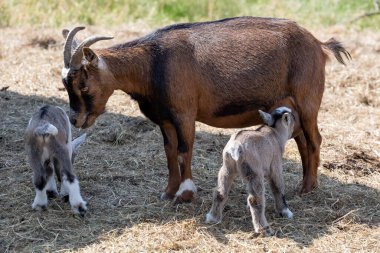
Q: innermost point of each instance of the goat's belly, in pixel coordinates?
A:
(245, 119)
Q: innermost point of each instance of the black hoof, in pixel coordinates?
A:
(65, 198)
(52, 194)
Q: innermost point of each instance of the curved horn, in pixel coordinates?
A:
(68, 43)
(76, 59)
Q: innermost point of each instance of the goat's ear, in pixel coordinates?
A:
(77, 142)
(90, 56)
(286, 119)
(267, 118)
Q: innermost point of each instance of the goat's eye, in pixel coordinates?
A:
(84, 89)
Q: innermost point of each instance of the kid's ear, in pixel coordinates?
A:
(286, 119)
(267, 118)
(90, 56)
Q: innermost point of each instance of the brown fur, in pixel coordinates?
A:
(219, 73)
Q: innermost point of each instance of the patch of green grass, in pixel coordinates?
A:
(58, 13)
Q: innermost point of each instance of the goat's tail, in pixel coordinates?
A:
(334, 46)
(235, 151)
(46, 129)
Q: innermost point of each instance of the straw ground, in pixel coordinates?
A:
(122, 166)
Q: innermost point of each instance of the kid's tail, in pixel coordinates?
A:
(46, 129)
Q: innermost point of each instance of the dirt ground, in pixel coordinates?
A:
(122, 165)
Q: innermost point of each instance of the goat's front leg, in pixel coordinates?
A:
(39, 180)
(185, 133)
(278, 188)
(256, 200)
(169, 134)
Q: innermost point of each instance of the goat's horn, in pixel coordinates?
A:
(76, 59)
(68, 43)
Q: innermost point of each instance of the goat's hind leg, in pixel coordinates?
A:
(225, 178)
(51, 185)
(256, 203)
(39, 179)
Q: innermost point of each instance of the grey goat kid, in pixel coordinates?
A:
(50, 151)
(255, 154)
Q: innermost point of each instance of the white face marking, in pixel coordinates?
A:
(64, 72)
(187, 185)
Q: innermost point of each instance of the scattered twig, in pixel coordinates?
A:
(4, 88)
(368, 14)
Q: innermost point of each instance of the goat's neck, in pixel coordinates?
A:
(129, 68)
(282, 137)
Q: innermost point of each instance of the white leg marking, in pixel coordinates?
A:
(211, 219)
(64, 190)
(51, 185)
(287, 213)
(187, 185)
(78, 205)
(41, 200)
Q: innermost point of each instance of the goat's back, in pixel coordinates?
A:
(53, 115)
(256, 147)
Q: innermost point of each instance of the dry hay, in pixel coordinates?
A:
(122, 166)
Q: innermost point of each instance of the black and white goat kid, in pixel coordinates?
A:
(50, 151)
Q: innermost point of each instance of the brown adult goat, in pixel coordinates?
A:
(219, 73)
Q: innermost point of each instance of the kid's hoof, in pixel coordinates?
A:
(211, 219)
(286, 213)
(65, 198)
(267, 231)
(51, 194)
(80, 208)
(39, 207)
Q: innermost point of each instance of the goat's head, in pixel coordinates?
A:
(281, 116)
(83, 76)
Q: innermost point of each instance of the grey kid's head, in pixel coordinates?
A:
(281, 117)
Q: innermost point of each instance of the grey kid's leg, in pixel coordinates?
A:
(225, 178)
(278, 188)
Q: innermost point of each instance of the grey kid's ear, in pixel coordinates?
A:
(286, 119)
(267, 118)
(77, 142)
(90, 56)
